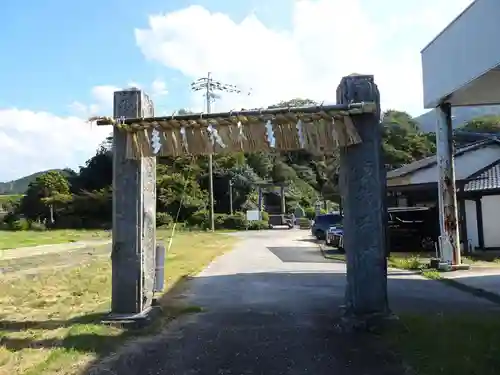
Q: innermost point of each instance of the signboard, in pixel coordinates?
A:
(253, 215)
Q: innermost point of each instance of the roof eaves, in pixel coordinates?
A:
(431, 160)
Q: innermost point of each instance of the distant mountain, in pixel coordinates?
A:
(20, 185)
(428, 120)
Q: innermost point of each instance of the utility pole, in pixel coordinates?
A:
(231, 196)
(211, 86)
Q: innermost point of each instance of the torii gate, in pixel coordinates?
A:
(353, 124)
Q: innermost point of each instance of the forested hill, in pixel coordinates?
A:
(20, 185)
(461, 115)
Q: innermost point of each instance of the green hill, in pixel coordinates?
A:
(20, 185)
(427, 121)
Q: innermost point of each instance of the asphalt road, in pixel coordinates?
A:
(270, 307)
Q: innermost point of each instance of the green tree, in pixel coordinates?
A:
(282, 172)
(42, 194)
(403, 142)
(95, 175)
(483, 124)
(296, 102)
(261, 163)
(179, 193)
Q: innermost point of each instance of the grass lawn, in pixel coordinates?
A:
(415, 261)
(14, 239)
(449, 344)
(49, 322)
(11, 197)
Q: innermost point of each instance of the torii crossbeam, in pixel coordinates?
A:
(314, 128)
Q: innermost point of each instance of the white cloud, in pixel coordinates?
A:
(134, 84)
(102, 102)
(34, 141)
(102, 98)
(328, 39)
(159, 88)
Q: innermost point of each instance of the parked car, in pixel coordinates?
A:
(412, 228)
(409, 229)
(323, 222)
(335, 237)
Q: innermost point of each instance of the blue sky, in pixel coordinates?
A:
(59, 49)
(61, 60)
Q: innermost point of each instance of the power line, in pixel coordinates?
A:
(211, 88)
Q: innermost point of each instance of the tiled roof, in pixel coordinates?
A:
(431, 160)
(488, 179)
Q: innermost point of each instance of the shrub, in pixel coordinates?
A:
(304, 223)
(258, 225)
(163, 219)
(264, 216)
(407, 263)
(237, 221)
(9, 218)
(310, 213)
(219, 221)
(19, 224)
(199, 219)
(68, 221)
(38, 226)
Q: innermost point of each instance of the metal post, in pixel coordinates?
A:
(210, 160)
(159, 268)
(448, 213)
(260, 201)
(210, 87)
(231, 196)
(283, 203)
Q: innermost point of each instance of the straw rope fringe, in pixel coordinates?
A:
(319, 134)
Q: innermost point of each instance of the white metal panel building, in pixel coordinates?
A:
(461, 67)
(462, 64)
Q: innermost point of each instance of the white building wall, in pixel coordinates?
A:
(465, 165)
(462, 52)
(491, 223)
(471, 222)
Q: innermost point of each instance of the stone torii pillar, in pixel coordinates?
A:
(134, 217)
(363, 188)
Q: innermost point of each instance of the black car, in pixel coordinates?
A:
(323, 222)
(412, 228)
(408, 229)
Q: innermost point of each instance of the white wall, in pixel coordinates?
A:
(491, 225)
(471, 222)
(465, 165)
(462, 52)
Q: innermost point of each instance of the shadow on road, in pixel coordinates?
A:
(272, 323)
